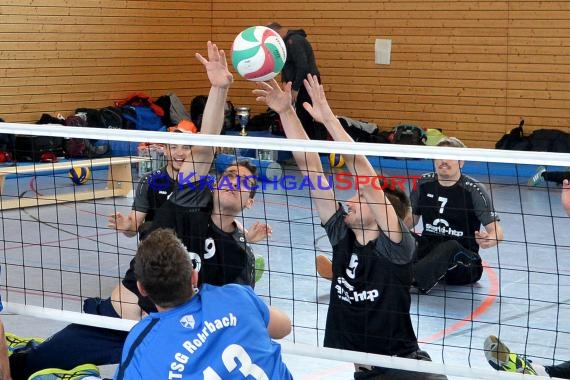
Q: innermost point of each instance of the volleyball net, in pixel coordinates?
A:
(57, 248)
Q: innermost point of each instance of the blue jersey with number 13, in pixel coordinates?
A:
(221, 333)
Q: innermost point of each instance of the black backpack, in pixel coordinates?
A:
(514, 140)
(409, 134)
(77, 147)
(6, 141)
(112, 117)
(197, 106)
(550, 140)
(31, 148)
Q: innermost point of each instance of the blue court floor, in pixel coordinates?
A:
(54, 255)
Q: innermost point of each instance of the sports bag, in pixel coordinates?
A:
(409, 134)
(142, 118)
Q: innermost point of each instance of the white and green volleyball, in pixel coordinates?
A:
(258, 53)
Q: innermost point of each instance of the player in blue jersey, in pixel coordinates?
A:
(369, 308)
(218, 332)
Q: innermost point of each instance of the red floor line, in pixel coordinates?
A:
(481, 309)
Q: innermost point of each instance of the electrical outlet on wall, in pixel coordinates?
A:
(382, 51)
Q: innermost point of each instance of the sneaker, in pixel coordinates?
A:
(84, 371)
(502, 359)
(259, 267)
(324, 267)
(17, 343)
(537, 179)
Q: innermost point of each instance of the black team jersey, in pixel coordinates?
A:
(453, 212)
(369, 308)
(152, 192)
(223, 258)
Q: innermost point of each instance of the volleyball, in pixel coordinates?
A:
(258, 53)
(79, 176)
(336, 160)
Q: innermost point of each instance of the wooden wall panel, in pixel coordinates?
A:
(473, 68)
(56, 55)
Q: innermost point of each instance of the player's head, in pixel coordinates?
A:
(236, 187)
(278, 28)
(176, 154)
(360, 215)
(446, 169)
(164, 269)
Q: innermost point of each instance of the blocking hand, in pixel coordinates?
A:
(216, 66)
(271, 94)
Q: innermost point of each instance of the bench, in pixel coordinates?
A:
(119, 181)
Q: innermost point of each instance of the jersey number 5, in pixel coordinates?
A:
(233, 355)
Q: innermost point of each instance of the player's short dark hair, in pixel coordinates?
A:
(399, 200)
(397, 197)
(163, 266)
(275, 26)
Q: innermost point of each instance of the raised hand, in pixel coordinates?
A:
(320, 109)
(279, 100)
(258, 231)
(216, 66)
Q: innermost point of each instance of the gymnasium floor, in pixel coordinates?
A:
(529, 309)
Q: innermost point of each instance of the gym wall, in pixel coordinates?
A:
(472, 68)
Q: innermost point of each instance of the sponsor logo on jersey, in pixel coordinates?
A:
(441, 227)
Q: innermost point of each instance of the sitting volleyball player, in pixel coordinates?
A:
(452, 207)
(78, 344)
(401, 204)
(219, 332)
(224, 253)
(370, 299)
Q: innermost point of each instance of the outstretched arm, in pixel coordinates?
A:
(358, 165)
(310, 163)
(201, 157)
(566, 196)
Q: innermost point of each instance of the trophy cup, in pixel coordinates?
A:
(242, 114)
